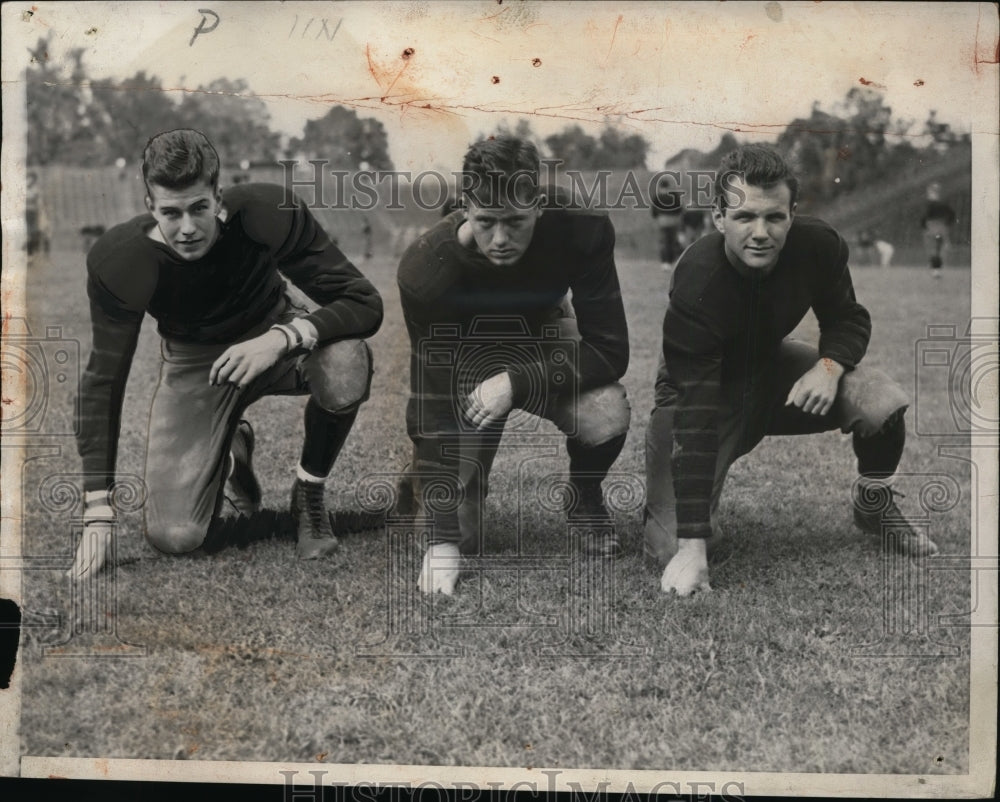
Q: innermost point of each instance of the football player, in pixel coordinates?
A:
(211, 267)
(729, 375)
(503, 265)
(938, 220)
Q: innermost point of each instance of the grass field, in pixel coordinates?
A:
(801, 658)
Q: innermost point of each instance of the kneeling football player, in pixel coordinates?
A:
(205, 264)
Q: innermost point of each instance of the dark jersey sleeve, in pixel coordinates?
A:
(432, 413)
(350, 306)
(845, 325)
(693, 350)
(603, 352)
(119, 285)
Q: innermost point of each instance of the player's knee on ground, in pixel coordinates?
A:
(176, 537)
(340, 375)
(870, 398)
(602, 414)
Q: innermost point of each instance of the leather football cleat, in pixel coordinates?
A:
(876, 513)
(242, 488)
(585, 511)
(315, 534)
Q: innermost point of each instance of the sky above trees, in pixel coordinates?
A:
(434, 75)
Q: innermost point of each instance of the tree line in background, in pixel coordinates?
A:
(75, 120)
(79, 121)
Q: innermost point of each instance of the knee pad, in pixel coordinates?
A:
(340, 375)
(176, 537)
(870, 398)
(602, 414)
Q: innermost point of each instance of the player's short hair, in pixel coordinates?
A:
(501, 169)
(179, 158)
(758, 166)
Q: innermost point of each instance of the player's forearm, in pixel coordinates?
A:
(845, 333)
(845, 325)
(693, 457)
(439, 485)
(100, 425)
(102, 392)
(348, 318)
(695, 446)
(577, 367)
(349, 304)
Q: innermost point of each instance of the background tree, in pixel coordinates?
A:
(131, 112)
(616, 151)
(233, 118)
(58, 108)
(574, 147)
(345, 140)
(612, 150)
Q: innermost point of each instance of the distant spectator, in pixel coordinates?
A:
(668, 212)
(366, 231)
(35, 219)
(866, 254)
(90, 235)
(885, 251)
(872, 250)
(937, 222)
(692, 226)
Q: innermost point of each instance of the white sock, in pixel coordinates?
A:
(305, 476)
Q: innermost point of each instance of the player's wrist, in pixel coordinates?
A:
(833, 367)
(288, 336)
(307, 334)
(97, 507)
(300, 335)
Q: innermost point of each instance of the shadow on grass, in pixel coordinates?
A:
(268, 524)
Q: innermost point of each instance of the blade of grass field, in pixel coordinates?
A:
(808, 655)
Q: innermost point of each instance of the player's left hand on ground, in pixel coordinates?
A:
(687, 570)
(440, 568)
(92, 552)
(240, 364)
(491, 401)
(816, 389)
(95, 543)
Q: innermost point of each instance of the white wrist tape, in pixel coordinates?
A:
(306, 331)
(97, 507)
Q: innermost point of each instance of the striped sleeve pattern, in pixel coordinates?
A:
(102, 387)
(693, 353)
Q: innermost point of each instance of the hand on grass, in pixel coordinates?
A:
(687, 570)
(92, 552)
(440, 569)
(490, 402)
(816, 389)
(240, 364)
